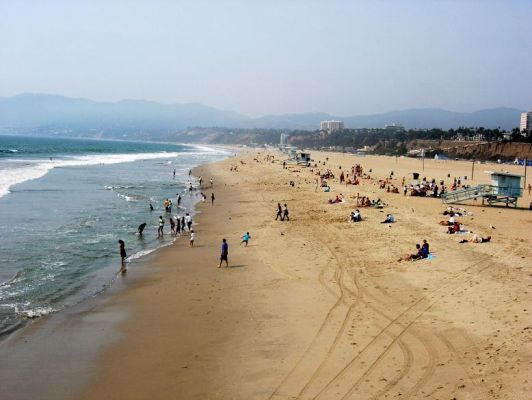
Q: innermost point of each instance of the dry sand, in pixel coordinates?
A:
(318, 308)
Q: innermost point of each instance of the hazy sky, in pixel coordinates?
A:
(269, 57)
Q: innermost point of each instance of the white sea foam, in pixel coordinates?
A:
(24, 170)
(143, 253)
(34, 312)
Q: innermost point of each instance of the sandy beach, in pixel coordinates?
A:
(317, 307)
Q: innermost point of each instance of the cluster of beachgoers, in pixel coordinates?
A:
(423, 187)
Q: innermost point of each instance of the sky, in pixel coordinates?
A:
(273, 57)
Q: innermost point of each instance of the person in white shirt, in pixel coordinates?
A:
(188, 220)
(192, 238)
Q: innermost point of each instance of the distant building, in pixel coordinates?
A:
(478, 137)
(394, 128)
(284, 139)
(526, 123)
(331, 126)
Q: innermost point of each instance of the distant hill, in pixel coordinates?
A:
(506, 118)
(41, 111)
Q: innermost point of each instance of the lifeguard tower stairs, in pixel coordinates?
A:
(505, 189)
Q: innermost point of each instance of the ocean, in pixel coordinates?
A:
(64, 204)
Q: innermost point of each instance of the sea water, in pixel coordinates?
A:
(65, 203)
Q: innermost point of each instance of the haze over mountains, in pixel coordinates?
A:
(33, 111)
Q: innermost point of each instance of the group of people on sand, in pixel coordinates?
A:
(365, 201)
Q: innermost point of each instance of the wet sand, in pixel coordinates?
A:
(319, 308)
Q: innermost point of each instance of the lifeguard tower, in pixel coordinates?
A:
(303, 157)
(505, 188)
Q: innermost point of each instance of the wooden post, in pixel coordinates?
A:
(473, 170)
(423, 158)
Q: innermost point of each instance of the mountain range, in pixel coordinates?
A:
(41, 111)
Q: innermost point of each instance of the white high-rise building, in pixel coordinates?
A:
(526, 123)
(284, 139)
(331, 126)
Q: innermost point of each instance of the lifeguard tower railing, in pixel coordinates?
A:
(489, 193)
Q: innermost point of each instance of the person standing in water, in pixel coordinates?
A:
(172, 225)
(174, 173)
(123, 255)
(225, 254)
(178, 199)
(183, 223)
(151, 207)
(177, 225)
(141, 228)
(160, 232)
(188, 218)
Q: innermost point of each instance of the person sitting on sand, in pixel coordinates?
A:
(356, 216)
(425, 246)
(390, 219)
(419, 255)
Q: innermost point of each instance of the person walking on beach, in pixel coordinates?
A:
(279, 212)
(160, 232)
(212, 183)
(212, 198)
(285, 213)
(123, 255)
(188, 218)
(183, 223)
(192, 238)
(225, 254)
(245, 238)
(200, 180)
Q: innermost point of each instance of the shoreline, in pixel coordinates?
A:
(284, 320)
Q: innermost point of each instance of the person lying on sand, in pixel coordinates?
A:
(476, 239)
(338, 199)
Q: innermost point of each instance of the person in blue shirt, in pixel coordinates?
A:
(225, 254)
(389, 219)
(245, 238)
